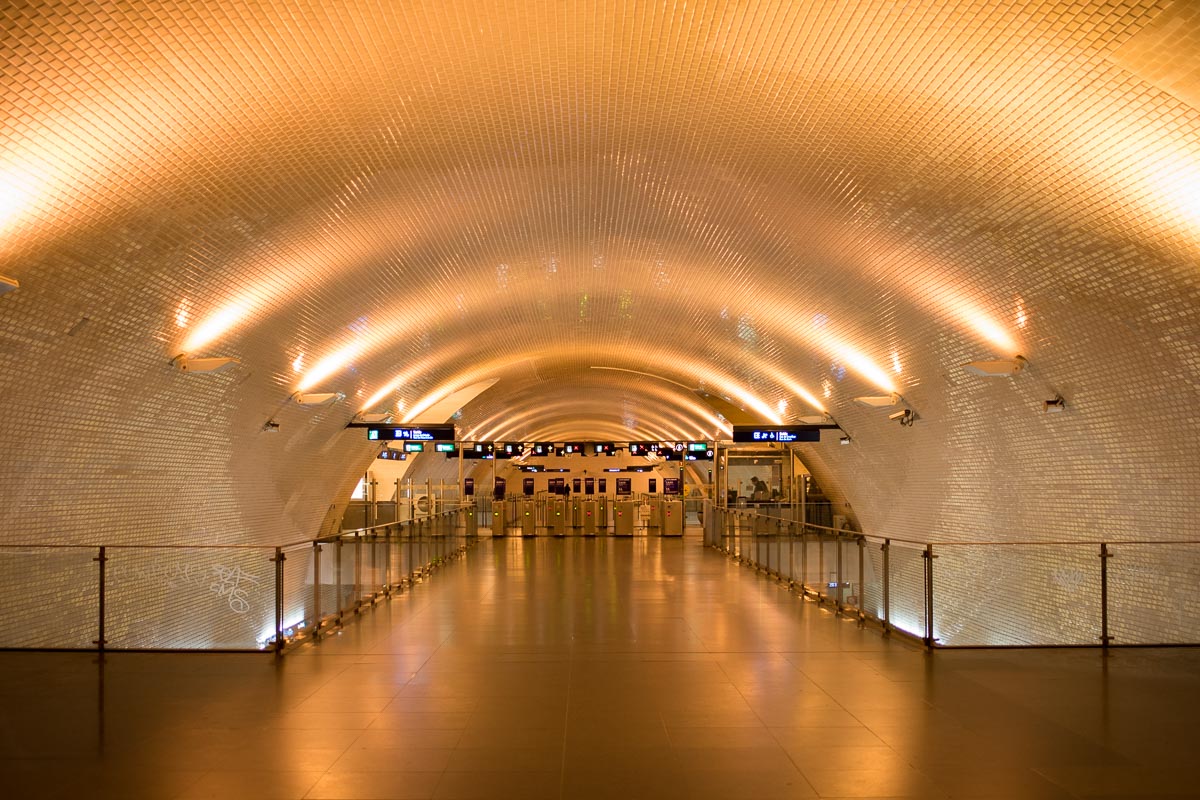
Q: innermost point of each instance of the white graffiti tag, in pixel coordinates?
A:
(228, 583)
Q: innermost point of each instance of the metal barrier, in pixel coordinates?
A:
(215, 597)
(980, 594)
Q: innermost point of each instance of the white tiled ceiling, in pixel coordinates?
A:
(757, 200)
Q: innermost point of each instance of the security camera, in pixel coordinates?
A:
(899, 415)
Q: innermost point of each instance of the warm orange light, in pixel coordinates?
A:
(330, 364)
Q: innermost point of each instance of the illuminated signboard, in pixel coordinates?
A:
(777, 433)
(477, 450)
(603, 485)
(705, 455)
(468, 487)
(624, 486)
(527, 486)
(643, 448)
(589, 485)
(498, 489)
(698, 447)
(653, 485)
(576, 485)
(445, 447)
(393, 455)
(542, 448)
(603, 448)
(571, 448)
(670, 485)
(670, 455)
(414, 447)
(409, 433)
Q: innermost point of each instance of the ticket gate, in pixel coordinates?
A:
(528, 514)
(654, 519)
(499, 518)
(590, 517)
(472, 519)
(624, 513)
(576, 514)
(671, 521)
(602, 515)
(556, 519)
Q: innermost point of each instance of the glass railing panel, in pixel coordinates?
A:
(871, 591)
(49, 597)
(1016, 594)
(1152, 593)
(297, 589)
(906, 588)
(190, 598)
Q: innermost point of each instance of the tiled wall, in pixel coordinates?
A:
(751, 199)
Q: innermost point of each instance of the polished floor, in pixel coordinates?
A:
(607, 668)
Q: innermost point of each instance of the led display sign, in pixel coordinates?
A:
(624, 486)
(409, 433)
(393, 455)
(643, 448)
(527, 486)
(576, 485)
(603, 485)
(498, 489)
(698, 447)
(589, 485)
(603, 448)
(445, 447)
(468, 487)
(670, 485)
(542, 448)
(777, 433)
(653, 485)
(414, 447)
(570, 448)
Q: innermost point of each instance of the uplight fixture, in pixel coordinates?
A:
(317, 398)
(1004, 368)
(8, 284)
(879, 401)
(185, 363)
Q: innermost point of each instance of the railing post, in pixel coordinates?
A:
(886, 547)
(928, 556)
(824, 577)
(337, 568)
(387, 560)
(837, 542)
(101, 559)
(278, 559)
(860, 594)
(1104, 557)
(316, 590)
(357, 571)
(803, 558)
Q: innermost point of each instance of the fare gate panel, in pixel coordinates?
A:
(528, 512)
(590, 517)
(624, 514)
(499, 518)
(672, 517)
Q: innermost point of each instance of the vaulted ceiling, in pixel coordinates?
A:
(601, 211)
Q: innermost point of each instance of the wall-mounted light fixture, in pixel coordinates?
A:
(879, 401)
(317, 398)
(8, 284)
(381, 418)
(1054, 406)
(270, 426)
(906, 417)
(185, 363)
(844, 440)
(1004, 368)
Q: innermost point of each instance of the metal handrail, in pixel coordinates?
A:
(758, 540)
(427, 541)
